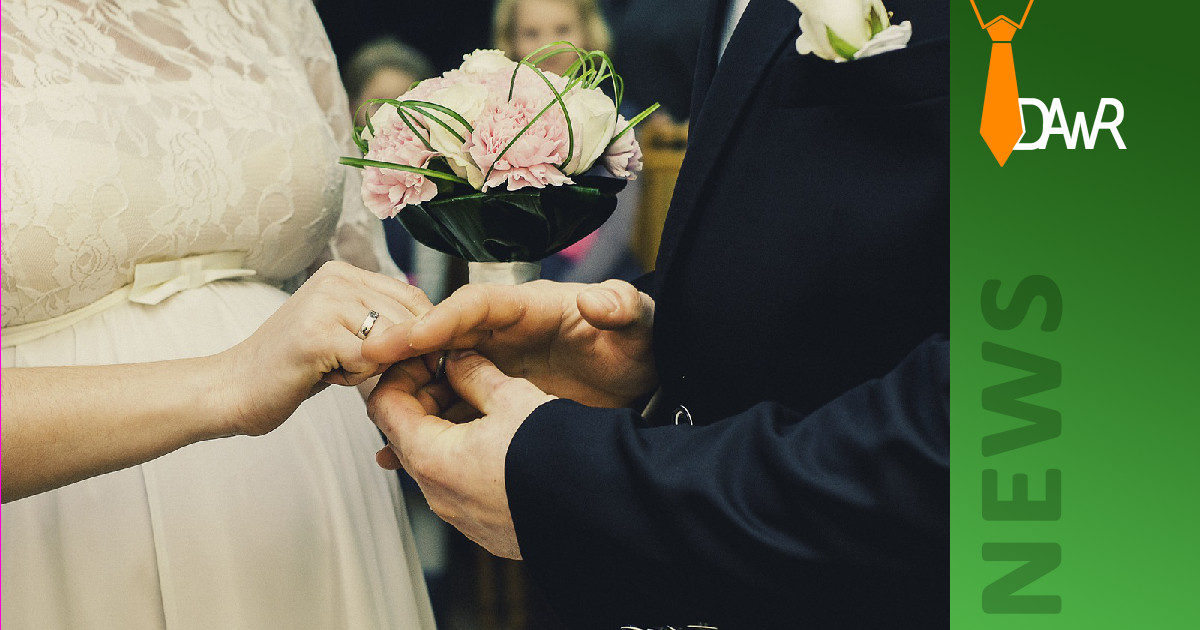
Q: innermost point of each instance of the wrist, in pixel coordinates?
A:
(218, 391)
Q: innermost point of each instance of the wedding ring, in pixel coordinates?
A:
(368, 324)
(440, 371)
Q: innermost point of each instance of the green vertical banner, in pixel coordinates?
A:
(1075, 279)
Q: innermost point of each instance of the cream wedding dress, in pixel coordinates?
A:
(147, 131)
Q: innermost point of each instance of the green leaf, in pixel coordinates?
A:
(840, 46)
(427, 172)
(443, 124)
(358, 139)
(636, 119)
(560, 47)
(413, 128)
(421, 107)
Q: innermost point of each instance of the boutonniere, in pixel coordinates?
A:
(842, 30)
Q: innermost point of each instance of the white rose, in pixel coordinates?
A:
(466, 99)
(486, 61)
(593, 118)
(838, 30)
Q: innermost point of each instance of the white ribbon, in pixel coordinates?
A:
(510, 273)
(155, 282)
(152, 283)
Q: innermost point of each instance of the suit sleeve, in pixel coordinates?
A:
(645, 283)
(835, 519)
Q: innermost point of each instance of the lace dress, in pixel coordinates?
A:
(161, 131)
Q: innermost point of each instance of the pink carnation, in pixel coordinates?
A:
(385, 191)
(422, 90)
(623, 157)
(534, 158)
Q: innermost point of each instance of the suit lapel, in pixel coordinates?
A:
(765, 28)
(706, 62)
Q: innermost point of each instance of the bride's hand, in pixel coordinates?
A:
(310, 342)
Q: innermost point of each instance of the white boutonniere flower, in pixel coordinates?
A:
(841, 30)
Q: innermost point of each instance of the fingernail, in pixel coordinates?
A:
(414, 331)
(608, 299)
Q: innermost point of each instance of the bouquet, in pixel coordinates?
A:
(498, 161)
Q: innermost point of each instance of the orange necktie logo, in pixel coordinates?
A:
(1001, 124)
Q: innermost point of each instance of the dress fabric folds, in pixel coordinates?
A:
(142, 132)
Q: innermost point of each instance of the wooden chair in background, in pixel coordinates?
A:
(663, 144)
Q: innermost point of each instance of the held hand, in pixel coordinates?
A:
(589, 343)
(312, 341)
(459, 467)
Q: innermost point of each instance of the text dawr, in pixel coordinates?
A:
(1054, 122)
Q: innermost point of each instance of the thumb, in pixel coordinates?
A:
(412, 433)
(482, 385)
(615, 304)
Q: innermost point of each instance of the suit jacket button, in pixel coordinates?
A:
(683, 416)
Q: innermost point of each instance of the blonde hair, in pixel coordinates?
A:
(385, 52)
(595, 28)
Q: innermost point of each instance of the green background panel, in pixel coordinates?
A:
(1116, 231)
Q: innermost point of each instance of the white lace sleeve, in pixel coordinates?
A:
(359, 238)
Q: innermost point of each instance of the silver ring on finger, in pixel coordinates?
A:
(368, 324)
(440, 372)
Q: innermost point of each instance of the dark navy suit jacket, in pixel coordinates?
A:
(802, 317)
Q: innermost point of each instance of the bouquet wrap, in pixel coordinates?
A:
(516, 226)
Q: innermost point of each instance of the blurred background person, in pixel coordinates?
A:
(444, 30)
(386, 68)
(520, 27)
(382, 68)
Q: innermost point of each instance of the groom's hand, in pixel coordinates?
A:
(459, 467)
(589, 343)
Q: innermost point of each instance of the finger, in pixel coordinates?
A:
(387, 459)
(412, 298)
(390, 344)
(355, 313)
(482, 385)
(615, 304)
(413, 434)
(367, 311)
(353, 365)
(397, 388)
(394, 342)
(461, 412)
(467, 317)
(344, 363)
(336, 282)
(437, 397)
(379, 319)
